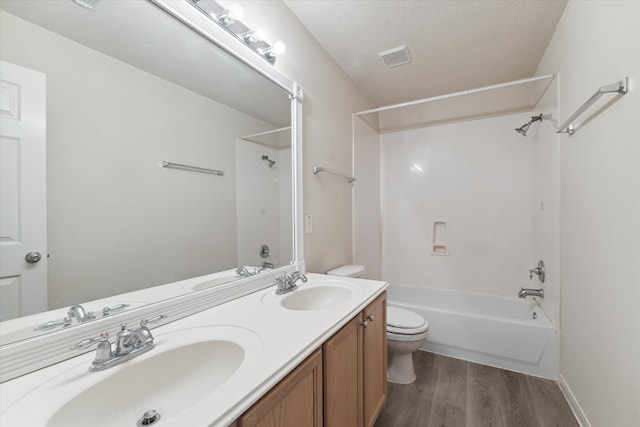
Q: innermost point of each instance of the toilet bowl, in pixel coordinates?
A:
(406, 332)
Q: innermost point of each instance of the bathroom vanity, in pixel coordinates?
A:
(343, 383)
(310, 356)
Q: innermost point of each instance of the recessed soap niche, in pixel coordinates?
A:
(440, 238)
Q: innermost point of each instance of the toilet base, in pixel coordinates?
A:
(400, 369)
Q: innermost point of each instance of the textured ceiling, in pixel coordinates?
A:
(455, 45)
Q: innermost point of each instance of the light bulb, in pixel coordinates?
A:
(278, 48)
(232, 14)
(235, 11)
(256, 36)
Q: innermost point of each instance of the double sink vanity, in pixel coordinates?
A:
(312, 356)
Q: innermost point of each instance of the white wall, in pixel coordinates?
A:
(115, 216)
(596, 43)
(477, 176)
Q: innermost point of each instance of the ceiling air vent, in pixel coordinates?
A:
(396, 56)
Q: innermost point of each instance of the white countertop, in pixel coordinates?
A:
(287, 337)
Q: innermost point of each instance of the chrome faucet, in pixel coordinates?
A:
(79, 313)
(129, 344)
(243, 272)
(287, 283)
(531, 292)
(266, 265)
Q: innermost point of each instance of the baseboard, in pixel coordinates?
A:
(573, 403)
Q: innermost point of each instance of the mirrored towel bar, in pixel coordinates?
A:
(317, 169)
(166, 164)
(569, 127)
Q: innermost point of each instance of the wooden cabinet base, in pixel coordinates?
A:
(295, 402)
(355, 369)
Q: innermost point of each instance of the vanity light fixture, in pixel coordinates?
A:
(255, 36)
(87, 4)
(277, 49)
(234, 13)
(229, 19)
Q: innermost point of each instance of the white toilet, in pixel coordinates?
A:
(406, 332)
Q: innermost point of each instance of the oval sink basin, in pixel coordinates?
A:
(167, 382)
(319, 297)
(184, 368)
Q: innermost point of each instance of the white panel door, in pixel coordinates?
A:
(23, 199)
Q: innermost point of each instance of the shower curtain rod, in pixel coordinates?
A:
(266, 133)
(455, 94)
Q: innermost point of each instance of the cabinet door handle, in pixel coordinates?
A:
(370, 318)
(365, 323)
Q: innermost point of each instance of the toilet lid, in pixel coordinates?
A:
(347, 271)
(400, 320)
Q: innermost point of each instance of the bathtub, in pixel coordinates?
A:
(503, 332)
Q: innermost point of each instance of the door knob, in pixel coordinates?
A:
(33, 257)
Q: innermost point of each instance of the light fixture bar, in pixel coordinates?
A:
(228, 19)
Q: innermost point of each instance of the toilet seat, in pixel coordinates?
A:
(407, 337)
(405, 322)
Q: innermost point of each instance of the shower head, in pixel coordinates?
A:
(271, 162)
(522, 130)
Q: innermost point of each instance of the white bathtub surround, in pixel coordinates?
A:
(545, 204)
(262, 201)
(285, 337)
(492, 330)
(477, 176)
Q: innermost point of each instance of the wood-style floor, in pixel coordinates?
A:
(454, 393)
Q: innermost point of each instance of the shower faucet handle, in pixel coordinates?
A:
(538, 271)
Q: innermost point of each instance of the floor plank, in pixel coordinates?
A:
(450, 392)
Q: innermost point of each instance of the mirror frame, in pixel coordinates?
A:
(28, 355)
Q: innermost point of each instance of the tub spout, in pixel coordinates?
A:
(531, 292)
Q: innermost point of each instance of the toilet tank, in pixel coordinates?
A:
(347, 271)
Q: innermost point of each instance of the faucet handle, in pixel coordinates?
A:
(144, 322)
(102, 338)
(103, 350)
(539, 271)
(107, 310)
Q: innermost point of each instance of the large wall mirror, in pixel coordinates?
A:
(170, 164)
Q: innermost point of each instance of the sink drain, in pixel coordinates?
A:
(149, 418)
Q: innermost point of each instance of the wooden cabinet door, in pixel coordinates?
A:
(375, 359)
(342, 354)
(295, 402)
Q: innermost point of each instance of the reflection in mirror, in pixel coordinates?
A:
(117, 230)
